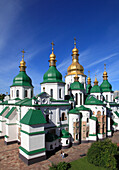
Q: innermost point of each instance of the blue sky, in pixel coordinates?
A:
(33, 24)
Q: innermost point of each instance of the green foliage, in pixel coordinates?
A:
(103, 154)
(60, 166)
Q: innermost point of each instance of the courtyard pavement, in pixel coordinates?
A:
(9, 157)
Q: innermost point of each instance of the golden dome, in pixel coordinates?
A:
(105, 73)
(75, 67)
(22, 63)
(52, 60)
(95, 82)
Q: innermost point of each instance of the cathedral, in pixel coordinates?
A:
(63, 114)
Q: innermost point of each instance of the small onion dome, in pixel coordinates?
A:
(106, 86)
(76, 86)
(22, 79)
(89, 80)
(95, 89)
(52, 75)
(75, 51)
(65, 134)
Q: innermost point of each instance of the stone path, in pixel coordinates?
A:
(9, 157)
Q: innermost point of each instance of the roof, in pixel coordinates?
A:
(106, 86)
(3, 111)
(25, 102)
(65, 134)
(22, 79)
(33, 117)
(83, 108)
(52, 75)
(10, 112)
(95, 89)
(116, 97)
(76, 85)
(115, 124)
(93, 118)
(75, 111)
(93, 101)
(117, 113)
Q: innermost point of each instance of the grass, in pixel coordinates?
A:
(83, 164)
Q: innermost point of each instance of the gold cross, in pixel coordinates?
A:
(105, 67)
(52, 45)
(23, 53)
(74, 41)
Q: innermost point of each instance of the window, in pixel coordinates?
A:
(97, 97)
(68, 89)
(76, 95)
(66, 141)
(51, 147)
(26, 94)
(98, 128)
(76, 136)
(43, 89)
(47, 118)
(87, 120)
(107, 97)
(17, 93)
(51, 92)
(80, 99)
(63, 116)
(60, 93)
(12, 93)
(31, 93)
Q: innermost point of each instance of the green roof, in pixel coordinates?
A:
(93, 101)
(22, 79)
(10, 112)
(33, 117)
(106, 86)
(93, 118)
(116, 97)
(49, 137)
(65, 134)
(52, 75)
(117, 113)
(25, 102)
(95, 89)
(76, 86)
(109, 109)
(113, 104)
(83, 108)
(88, 88)
(3, 111)
(40, 94)
(75, 111)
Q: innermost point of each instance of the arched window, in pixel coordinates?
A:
(76, 136)
(31, 93)
(43, 89)
(80, 99)
(97, 97)
(76, 95)
(17, 93)
(51, 92)
(26, 95)
(68, 89)
(87, 120)
(51, 147)
(66, 141)
(63, 116)
(98, 128)
(107, 97)
(60, 96)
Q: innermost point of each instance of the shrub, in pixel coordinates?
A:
(60, 166)
(103, 153)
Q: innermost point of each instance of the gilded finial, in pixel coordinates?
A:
(105, 73)
(23, 53)
(22, 63)
(89, 79)
(95, 82)
(74, 42)
(52, 46)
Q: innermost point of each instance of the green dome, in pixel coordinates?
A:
(95, 89)
(88, 88)
(76, 86)
(22, 79)
(106, 86)
(65, 134)
(52, 75)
